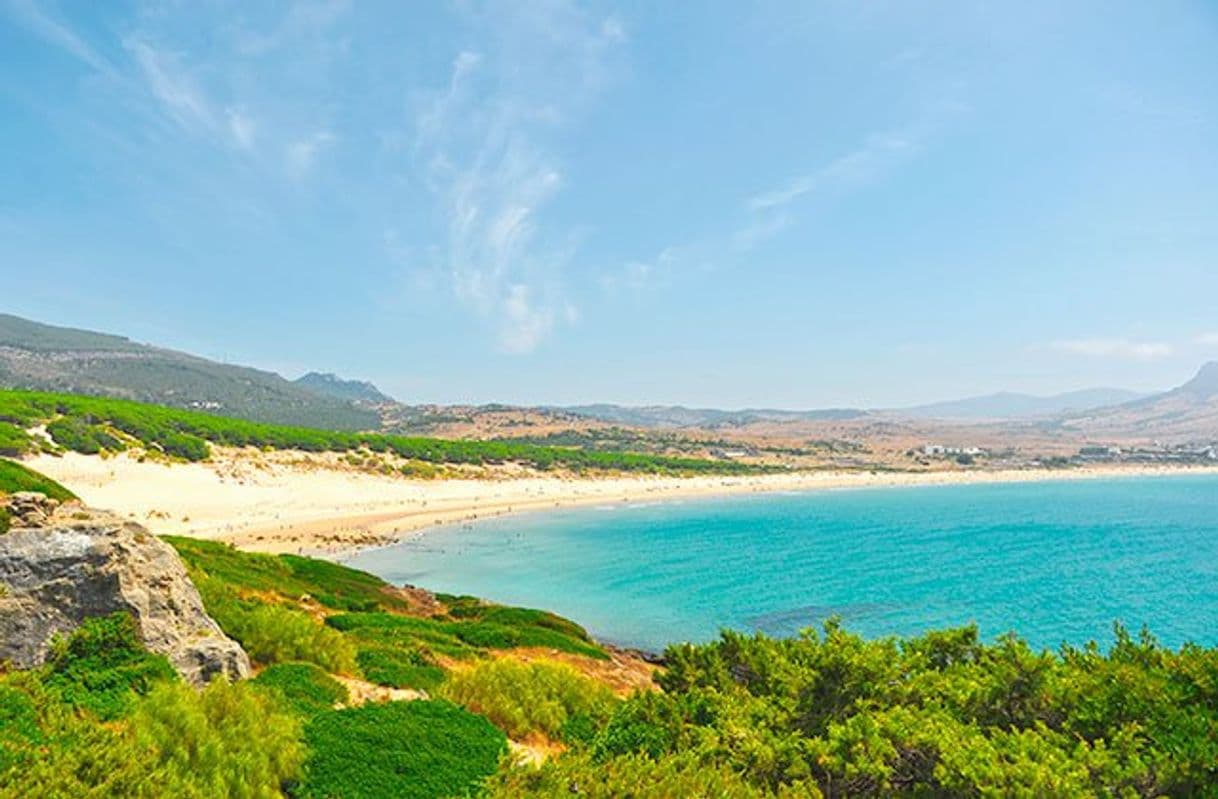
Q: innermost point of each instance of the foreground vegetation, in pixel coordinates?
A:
(941, 715)
(92, 425)
(826, 714)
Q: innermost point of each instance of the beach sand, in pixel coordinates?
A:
(274, 502)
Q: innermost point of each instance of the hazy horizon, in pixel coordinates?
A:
(780, 206)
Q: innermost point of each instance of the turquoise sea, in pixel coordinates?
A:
(1054, 561)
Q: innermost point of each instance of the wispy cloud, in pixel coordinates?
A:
(58, 33)
(772, 211)
(242, 127)
(170, 77)
(172, 85)
(1114, 348)
(482, 142)
(1208, 339)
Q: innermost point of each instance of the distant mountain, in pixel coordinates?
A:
(1009, 405)
(1204, 386)
(675, 416)
(1185, 414)
(49, 358)
(331, 385)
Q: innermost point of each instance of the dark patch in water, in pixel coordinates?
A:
(792, 619)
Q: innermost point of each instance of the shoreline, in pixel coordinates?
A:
(273, 504)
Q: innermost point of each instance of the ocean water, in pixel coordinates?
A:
(1054, 561)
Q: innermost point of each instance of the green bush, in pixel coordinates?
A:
(13, 440)
(524, 698)
(398, 667)
(303, 687)
(387, 630)
(103, 665)
(275, 634)
(227, 740)
(80, 436)
(407, 750)
(636, 777)
(499, 628)
(51, 749)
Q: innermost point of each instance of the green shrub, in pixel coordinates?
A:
(14, 477)
(303, 687)
(636, 777)
(387, 630)
(511, 629)
(49, 748)
(398, 668)
(407, 750)
(228, 740)
(6, 521)
(276, 634)
(80, 436)
(13, 440)
(103, 665)
(523, 698)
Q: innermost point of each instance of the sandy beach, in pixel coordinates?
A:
(274, 503)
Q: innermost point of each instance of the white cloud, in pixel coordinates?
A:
(242, 127)
(483, 142)
(636, 276)
(301, 155)
(1208, 339)
(783, 195)
(526, 322)
(1114, 348)
(171, 80)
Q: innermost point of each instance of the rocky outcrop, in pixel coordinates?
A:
(30, 509)
(61, 565)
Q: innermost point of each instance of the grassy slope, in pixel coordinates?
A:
(89, 425)
(14, 477)
(380, 624)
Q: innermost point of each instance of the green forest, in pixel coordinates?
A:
(825, 714)
(91, 425)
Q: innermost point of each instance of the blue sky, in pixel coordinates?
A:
(773, 204)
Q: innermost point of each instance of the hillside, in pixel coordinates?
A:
(50, 358)
(91, 426)
(1186, 414)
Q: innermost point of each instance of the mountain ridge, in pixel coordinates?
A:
(51, 358)
(1019, 405)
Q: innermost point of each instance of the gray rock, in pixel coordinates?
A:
(52, 577)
